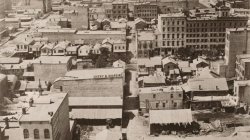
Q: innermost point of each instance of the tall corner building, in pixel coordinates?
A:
(200, 29)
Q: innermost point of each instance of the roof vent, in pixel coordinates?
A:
(50, 113)
(200, 87)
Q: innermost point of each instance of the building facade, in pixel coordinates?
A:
(49, 123)
(237, 43)
(242, 67)
(106, 82)
(146, 11)
(49, 68)
(203, 30)
(3, 86)
(119, 10)
(172, 28)
(242, 91)
(160, 98)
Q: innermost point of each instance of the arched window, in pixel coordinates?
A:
(26, 133)
(46, 134)
(36, 134)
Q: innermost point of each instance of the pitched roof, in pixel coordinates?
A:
(208, 84)
(168, 60)
(170, 116)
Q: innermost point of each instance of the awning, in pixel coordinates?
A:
(96, 113)
(170, 116)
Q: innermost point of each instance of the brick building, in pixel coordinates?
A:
(43, 119)
(237, 43)
(161, 98)
(146, 43)
(146, 11)
(202, 30)
(103, 82)
(173, 32)
(242, 69)
(49, 68)
(119, 10)
(79, 16)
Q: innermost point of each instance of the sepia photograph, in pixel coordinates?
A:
(124, 69)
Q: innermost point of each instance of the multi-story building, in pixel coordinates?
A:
(46, 118)
(146, 43)
(103, 82)
(49, 68)
(79, 16)
(161, 98)
(205, 93)
(119, 10)
(237, 43)
(3, 87)
(242, 91)
(202, 30)
(145, 11)
(2, 28)
(4, 5)
(172, 28)
(207, 32)
(243, 67)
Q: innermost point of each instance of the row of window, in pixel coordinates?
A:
(216, 24)
(173, 35)
(207, 35)
(22, 46)
(140, 15)
(119, 12)
(205, 40)
(173, 29)
(173, 22)
(26, 134)
(164, 104)
(171, 95)
(207, 30)
(119, 6)
(204, 46)
(172, 43)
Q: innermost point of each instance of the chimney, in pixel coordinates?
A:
(217, 88)
(31, 101)
(50, 113)
(6, 121)
(59, 62)
(200, 87)
(188, 63)
(40, 90)
(23, 110)
(40, 62)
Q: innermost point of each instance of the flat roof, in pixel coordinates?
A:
(95, 101)
(10, 60)
(170, 89)
(154, 79)
(52, 59)
(101, 32)
(208, 84)
(94, 73)
(170, 116)
(61, 30)
(42, 105)
(96, 113)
